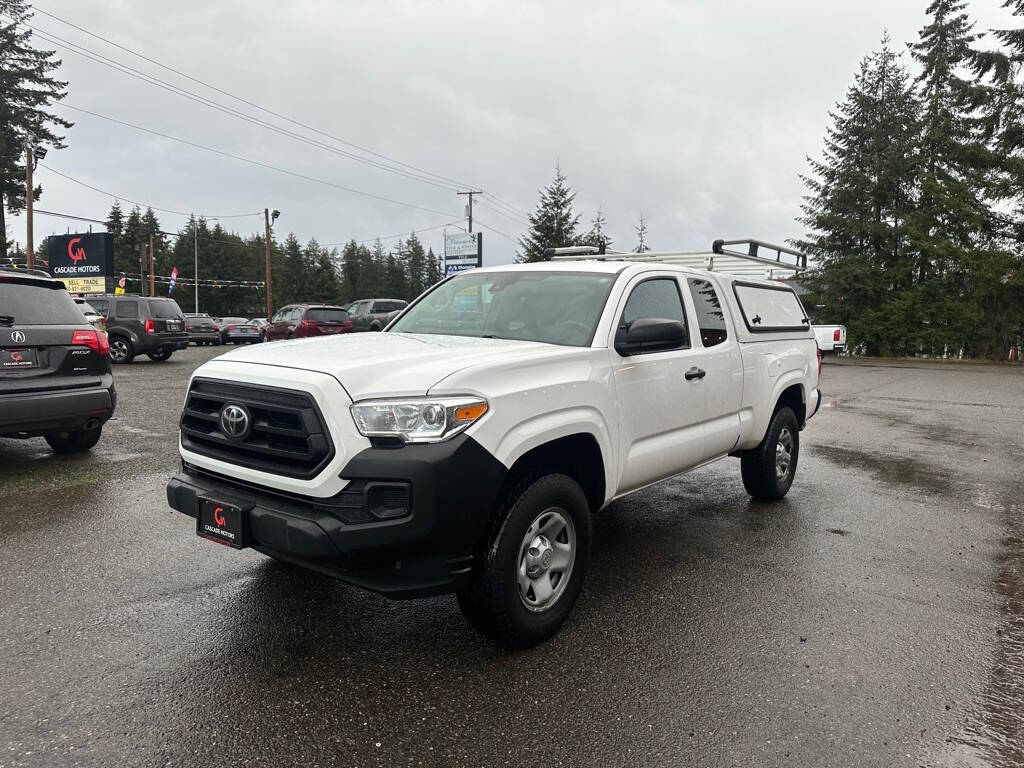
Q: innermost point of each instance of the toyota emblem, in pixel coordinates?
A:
(235, 421)
(18, 337)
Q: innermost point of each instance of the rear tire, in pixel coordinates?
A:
(160, 355)
(121, 350)
(769, 469)
(76, 441)
(533, 570)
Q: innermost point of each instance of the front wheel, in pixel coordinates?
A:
(160, 355)
(76, 441)
(533, 570)
(769, 469)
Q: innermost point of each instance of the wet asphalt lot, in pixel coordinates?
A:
(873, 618)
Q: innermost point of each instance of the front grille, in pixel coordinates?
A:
(287, 435)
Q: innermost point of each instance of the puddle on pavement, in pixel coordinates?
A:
(996, 729)
(894, 470)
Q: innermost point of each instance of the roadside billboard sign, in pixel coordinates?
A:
(84, 262)
(462, 251)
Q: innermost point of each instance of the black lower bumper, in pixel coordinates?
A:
(38, 413)
(422, 546)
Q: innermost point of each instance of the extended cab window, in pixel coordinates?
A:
(767, 308)
(710, 316)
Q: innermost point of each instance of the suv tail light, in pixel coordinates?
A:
(150, 325)
(95, 340)
(835, 335)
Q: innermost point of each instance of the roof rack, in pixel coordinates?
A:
(24, 271)
(719, 259)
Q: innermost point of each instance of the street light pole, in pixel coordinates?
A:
(195, 273)
(30, 248)
(268, 219)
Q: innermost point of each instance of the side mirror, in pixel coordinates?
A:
(650, 334)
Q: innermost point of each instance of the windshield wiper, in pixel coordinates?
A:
(6, 319)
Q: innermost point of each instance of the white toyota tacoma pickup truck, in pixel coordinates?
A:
(465, 448)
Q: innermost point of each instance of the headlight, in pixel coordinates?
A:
(417, 420)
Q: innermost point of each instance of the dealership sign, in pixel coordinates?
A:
(462, 251)
(84, 262)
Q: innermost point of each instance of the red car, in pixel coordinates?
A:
(297, 321)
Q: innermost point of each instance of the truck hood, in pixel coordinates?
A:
(387, 364)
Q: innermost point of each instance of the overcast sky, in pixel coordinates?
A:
(697, 115)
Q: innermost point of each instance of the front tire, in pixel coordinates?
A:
(76, 441)
(121, 350)
(769, 469)
(533, 570)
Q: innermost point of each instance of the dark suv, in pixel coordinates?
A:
(142, 325)
(374, 314)
(55, 378)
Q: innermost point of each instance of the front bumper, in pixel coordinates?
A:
(452, 489)
(37, 413)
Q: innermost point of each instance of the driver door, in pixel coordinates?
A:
(661, 407)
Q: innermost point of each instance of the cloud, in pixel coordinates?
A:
(697, 115)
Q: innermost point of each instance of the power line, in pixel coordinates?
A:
(509, 216)
(448, 180)
(253, 162)
(496, 231)
(151, 80)
(136, 202)
(392, 237)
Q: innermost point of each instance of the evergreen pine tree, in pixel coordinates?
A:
(433, 269)
(857, 204)
(553, 224)
(597, 234)
(27, 90)
(415, 268)
(952, 229)
(641, 237)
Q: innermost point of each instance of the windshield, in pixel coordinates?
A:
(164, 308)
(551, 307)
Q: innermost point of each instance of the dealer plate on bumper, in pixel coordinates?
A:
(222, 522)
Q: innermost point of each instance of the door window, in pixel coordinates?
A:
(127, 310)
(710, 315)
(656, 298)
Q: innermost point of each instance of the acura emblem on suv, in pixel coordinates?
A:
(234, 421)
(18, 337)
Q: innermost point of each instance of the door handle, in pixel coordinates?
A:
(695, 373)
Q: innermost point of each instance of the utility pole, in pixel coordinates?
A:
(142, 269)
(30, 248)
(470, 196)
(152, 268)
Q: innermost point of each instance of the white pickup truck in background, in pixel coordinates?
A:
(465, 448)
(830, 338)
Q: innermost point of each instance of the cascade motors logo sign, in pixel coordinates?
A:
(75, 252)
(85, 255)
